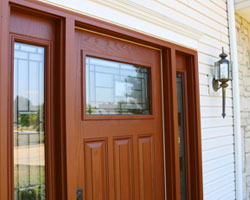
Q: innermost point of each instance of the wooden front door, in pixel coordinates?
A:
(118, 119)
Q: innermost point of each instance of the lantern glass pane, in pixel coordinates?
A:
(224, 71)
(216, 70)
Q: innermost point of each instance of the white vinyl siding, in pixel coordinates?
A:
(208, 20)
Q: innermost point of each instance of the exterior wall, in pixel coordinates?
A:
(243, 43)
(201, 25)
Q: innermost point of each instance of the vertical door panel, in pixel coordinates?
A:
(146, 165)
(123, 168)
(96, 169)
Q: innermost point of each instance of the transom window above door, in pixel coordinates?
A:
(115, 88)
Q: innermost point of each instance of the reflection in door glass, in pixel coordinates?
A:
(28, 119)
(114, 88)
(179, 83)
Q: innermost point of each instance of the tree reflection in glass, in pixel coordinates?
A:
(114, 88)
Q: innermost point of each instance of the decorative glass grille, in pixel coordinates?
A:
(114, 88)
(29, 149)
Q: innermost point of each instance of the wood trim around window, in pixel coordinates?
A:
(4, 100)
(185, 65)
(67, 21)
(114, 117)
(49, 106)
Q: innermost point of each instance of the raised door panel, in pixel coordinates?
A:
(123, 168)
(96, 172)
(146, 167)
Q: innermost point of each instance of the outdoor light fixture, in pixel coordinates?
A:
(222, 74)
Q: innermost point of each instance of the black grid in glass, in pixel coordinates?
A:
(114, 88)
(28, 121)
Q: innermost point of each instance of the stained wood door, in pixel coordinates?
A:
(119, 144)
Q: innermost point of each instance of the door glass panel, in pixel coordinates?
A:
(114, 88)
(182, 159)
(28, 119)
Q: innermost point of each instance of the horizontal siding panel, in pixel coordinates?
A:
(203, 79)
(204, 90)
(194, 15)
(221, 39)
(218, 173)
(211, 51)
(217, 184)
(216, 142)
(215, 112)
(215, 101)
(218, 94)
(222, 4)
(208, 12)
(206, 69)
(173, 10)
(216, 122)
(210, 133)
(217, 153)
(211, 93)
(206, 59)
(216, 8)
(229, 196)
(218, 163)
(215, 42)
(227, 192)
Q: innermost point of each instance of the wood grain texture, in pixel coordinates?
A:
(123, 159)
(70, 115)
(23, 23)
(4, 101)
(146, 167)
(20, 20)
(171, 124)
(130, 150)
(96, 172)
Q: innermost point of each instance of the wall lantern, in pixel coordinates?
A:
(222, 74)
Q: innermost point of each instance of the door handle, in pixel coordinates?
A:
(79, 193)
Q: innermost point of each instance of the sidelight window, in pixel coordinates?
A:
(28, 119)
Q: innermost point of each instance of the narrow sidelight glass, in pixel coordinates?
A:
(28, 122)
(114, 88)
(181, 130)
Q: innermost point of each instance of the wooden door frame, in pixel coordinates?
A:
(54, 128)
(69, 21)
(190, 112)
(49, 106)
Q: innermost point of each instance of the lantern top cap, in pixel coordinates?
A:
(223, 55)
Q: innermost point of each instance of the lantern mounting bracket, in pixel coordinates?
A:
(216, 85)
